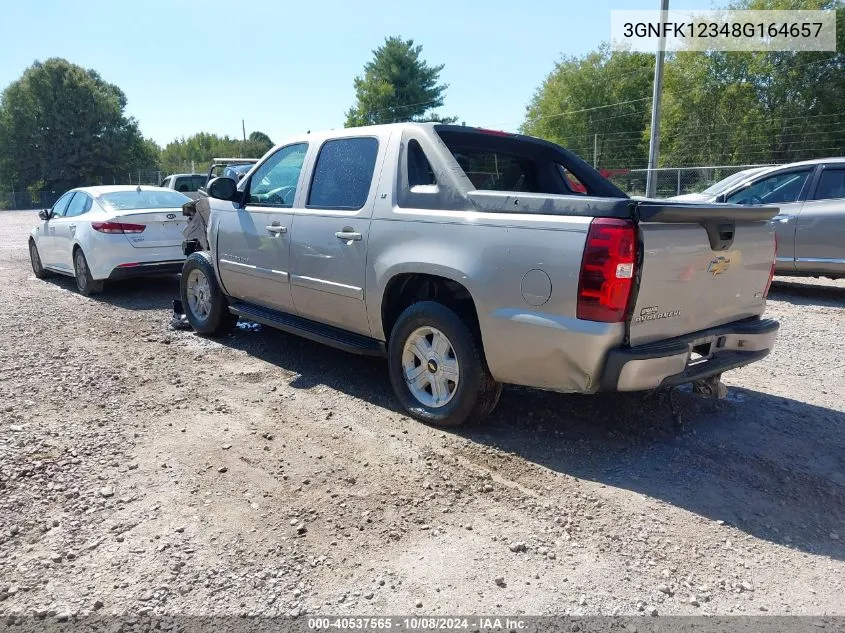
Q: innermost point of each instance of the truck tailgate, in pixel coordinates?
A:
(703, 265)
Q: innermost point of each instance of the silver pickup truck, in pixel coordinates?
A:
(471, 258)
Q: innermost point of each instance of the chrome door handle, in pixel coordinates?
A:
(72, 227)
(276, 228)
(348, 235)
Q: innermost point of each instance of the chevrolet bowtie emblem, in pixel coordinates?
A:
(718, 265)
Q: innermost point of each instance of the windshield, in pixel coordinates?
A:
(725, 183)
(143, 199)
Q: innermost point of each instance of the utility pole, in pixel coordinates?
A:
(243, 125)
(654, 141)
(595, 149)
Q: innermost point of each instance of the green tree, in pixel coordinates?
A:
(259, 142)
(63, 126)
(595, 106)
(200, 149)
(397, 85)
(755, 107)
(718, 108)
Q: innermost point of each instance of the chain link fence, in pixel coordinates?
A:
(671, 181)
(46, 198)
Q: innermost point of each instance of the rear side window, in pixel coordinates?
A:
(419, 169)
(183, 184)
(343, 173)
(197, 182)
(166, 182)
(831, 185)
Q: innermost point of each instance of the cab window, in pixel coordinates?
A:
(274, 182)
(343, 174)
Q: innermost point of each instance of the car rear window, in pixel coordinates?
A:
(143, 199)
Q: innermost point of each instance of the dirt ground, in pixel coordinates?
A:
(149, 470)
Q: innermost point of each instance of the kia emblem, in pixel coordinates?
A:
(171, 216)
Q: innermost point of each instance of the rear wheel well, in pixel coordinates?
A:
(408, 288)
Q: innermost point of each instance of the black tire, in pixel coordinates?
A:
(35, 259)
(84, 281)
(217, 321)
(475, 394)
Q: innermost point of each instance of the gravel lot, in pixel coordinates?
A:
(149, 470)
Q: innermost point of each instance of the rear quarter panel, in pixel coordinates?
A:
(527, 339)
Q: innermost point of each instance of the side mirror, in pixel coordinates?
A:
(45, 214)
(721, 198)
(223, 189)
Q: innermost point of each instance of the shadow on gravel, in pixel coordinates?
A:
(154, 293)
(770, 466)
(803, 294)
(773, 467)
(316, 364)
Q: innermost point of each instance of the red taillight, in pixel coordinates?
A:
(607, 270)
(772, 271)
(117, 227)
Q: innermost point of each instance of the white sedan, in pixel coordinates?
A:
(107, 233)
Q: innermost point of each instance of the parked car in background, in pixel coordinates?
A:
(234, 168)
(811, 223)
(468, 259)
(188, 184)
(108, 233)
(709, 194)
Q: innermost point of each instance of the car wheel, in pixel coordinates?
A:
(204, 303)
(35, 260)
(437, 367)
(84, 281)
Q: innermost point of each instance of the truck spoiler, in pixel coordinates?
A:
(642, 210)
(696, 213)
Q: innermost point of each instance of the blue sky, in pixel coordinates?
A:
(285, 67)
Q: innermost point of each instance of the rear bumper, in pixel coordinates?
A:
(147, 269)
(668, 363)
